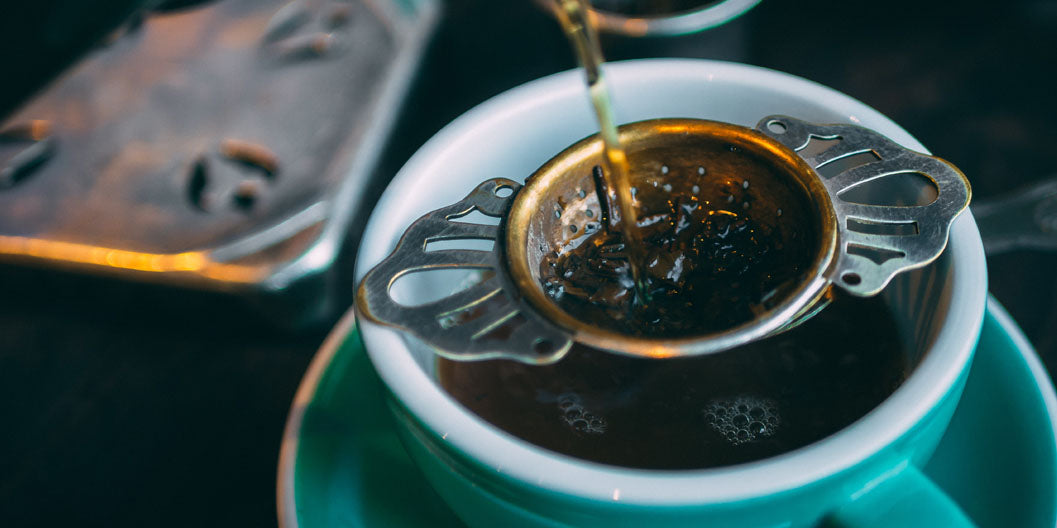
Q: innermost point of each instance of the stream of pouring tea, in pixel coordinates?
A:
(574, 16)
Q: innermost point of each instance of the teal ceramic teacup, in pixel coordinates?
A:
(866, 474)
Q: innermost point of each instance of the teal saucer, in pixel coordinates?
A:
(341, 463)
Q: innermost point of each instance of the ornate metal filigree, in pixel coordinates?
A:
(877, 241)
(463, 325)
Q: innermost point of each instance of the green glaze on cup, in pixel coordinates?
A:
(999, 460)
(341, 463)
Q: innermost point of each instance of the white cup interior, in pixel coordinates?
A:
(938, 307)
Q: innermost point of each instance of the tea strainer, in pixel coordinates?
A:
(872, 209)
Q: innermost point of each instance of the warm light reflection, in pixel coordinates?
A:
(662, 128)
(39, 129)
(660, 352)
(634, 27)
(69, 252)
(34, 130)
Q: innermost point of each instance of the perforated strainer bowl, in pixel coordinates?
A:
(786, 197)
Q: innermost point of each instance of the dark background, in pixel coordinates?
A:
(128, 405)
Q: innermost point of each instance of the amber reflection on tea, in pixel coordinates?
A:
(745, 404)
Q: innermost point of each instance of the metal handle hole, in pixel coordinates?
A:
(473, 244)
(422, 287)
(902, 189)
(776, 126)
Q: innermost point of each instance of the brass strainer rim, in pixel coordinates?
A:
(529, 201)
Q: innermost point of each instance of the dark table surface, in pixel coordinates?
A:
(128, 405)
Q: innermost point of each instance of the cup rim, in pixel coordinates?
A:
(929, 383)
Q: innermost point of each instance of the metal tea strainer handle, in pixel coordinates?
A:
(875, 242)
(431, 322)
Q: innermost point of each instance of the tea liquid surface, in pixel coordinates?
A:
(746, 404)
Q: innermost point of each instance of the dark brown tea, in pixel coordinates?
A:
(724, 238)
(745, 404)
